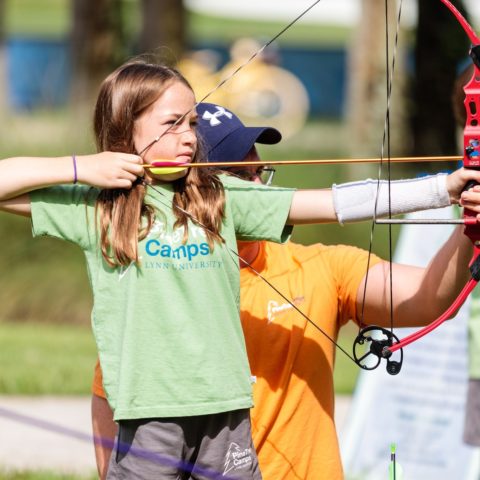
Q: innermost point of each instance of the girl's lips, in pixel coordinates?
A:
(184, 158)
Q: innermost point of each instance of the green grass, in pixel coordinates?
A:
(41, 359)
(33, 17)
(43, 279)
(52, 19)
(46, 132)
(50, 359)
(224, 30)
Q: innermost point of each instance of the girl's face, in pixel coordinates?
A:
(179, 143)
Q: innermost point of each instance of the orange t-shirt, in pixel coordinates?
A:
(293, 418)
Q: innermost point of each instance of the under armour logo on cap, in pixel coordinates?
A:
(214, 117)
(225, 137)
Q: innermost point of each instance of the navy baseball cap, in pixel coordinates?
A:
(226, 138)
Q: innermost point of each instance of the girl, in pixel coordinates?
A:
(160, 249)
(164, 278)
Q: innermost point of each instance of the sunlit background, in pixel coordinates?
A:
(322, 83)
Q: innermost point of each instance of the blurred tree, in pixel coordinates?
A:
(441, 45)
(97, 45)
(367, 82)
(163, 26)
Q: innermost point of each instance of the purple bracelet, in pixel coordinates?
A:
(75, 178)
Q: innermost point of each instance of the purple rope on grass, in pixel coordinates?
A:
(121, 447)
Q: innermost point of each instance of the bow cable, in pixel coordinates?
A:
(385, 145)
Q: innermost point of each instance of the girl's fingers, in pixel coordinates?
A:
(130, 177)
(111, 169)
(125, 184)
(119, 184)
(133, 164)
(137, 170)
(134, 158)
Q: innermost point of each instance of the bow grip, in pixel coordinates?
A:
(470, 184)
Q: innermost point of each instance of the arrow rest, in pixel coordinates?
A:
(475, 54)
(376, 341)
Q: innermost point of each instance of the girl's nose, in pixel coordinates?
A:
(189, 136)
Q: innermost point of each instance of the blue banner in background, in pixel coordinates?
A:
(38, 73)
(321, 70)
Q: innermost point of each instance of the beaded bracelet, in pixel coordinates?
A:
(75, 178)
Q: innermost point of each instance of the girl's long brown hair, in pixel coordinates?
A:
(124, 218)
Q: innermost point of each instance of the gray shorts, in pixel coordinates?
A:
(471, 432)
(203, 447)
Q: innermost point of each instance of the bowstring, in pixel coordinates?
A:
(233, 74)
(385, 145)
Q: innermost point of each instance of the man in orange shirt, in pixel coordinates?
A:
(293, 419)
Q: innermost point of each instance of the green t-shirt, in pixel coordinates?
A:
(168, 331)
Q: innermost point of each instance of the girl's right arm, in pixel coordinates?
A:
(21, 175)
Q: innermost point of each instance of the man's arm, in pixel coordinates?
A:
(420, 295)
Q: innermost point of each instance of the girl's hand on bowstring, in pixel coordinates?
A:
(109, 169)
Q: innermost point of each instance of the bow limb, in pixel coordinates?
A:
(451, 310)
(463, 22)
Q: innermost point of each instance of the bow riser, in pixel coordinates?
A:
(471, 145)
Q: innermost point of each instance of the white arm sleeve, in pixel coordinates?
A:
(355, 201)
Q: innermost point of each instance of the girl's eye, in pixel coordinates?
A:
(173, 125)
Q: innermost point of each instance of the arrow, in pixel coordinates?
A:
(173, 164)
